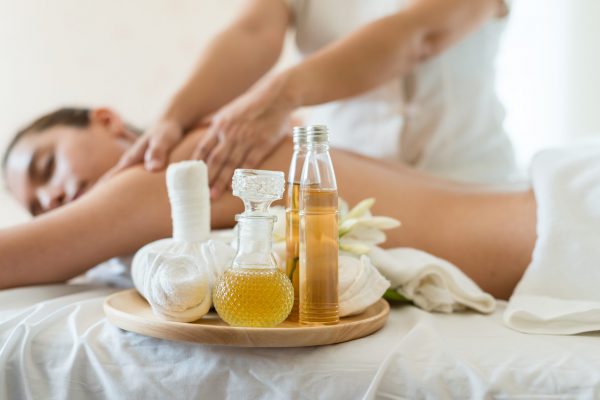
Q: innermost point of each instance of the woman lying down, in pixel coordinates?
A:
(55, 165)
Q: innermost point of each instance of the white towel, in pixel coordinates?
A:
(360, 284)
(560, 291)
(430, 282)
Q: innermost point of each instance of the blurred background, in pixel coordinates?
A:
(132, 55)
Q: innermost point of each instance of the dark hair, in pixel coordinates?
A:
(77, 117)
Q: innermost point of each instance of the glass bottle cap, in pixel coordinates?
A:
(299, 134)
(317, 133)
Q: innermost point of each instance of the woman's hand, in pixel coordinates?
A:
(245, 131)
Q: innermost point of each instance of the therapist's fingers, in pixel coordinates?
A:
(223, 179)
(134, 155)
(205, 145)
(217, 159)
(163, 138)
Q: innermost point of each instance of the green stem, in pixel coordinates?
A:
(393, 295)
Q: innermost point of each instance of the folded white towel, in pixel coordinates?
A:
(559, 293)
(430, 282)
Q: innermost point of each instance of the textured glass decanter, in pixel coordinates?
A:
(254, 292)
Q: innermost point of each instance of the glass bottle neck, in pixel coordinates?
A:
(317, 171)
(319, 147)
(300, 147)
(295, 171)
(254, 242)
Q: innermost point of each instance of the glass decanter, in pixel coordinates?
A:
(254, 292)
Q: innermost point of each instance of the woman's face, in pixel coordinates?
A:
(48, 169)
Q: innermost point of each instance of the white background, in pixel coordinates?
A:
(131, 55)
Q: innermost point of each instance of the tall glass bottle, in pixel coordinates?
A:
(254, 291)
(292, 217)
(319, 302)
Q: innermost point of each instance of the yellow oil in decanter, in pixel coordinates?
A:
(254, 297)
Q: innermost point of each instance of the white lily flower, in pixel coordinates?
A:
(359, 230)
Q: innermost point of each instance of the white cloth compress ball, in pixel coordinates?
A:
(176, 275)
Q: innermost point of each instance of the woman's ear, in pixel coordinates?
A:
(112, 123)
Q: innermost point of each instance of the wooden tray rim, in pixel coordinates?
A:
(123, 319)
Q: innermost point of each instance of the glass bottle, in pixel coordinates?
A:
(319, 302)
(292, 217)
(254, 291)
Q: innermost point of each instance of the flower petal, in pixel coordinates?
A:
(355, 248)
(342, 208)
(378, 222)
(361, 208)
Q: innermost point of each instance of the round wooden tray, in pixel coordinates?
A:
(130, 311)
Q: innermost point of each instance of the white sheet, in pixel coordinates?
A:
(56, 343)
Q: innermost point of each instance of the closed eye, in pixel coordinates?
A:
(48, 168)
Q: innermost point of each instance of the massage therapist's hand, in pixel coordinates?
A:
(244, 132)
(152, 148)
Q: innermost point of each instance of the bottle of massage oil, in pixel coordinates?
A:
(292, 217)
(318, 202)
(254, 291)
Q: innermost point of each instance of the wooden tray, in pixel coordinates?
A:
(130, 311)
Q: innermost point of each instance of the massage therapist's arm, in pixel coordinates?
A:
(389, 47)
(233, 60)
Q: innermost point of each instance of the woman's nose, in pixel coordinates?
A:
(50, 197)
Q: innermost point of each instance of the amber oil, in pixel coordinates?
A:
(292, 237)
(292, 221)
(319, 256)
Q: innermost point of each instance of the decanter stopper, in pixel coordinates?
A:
(258, 189)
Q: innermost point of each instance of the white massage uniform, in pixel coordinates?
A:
(444, 117)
